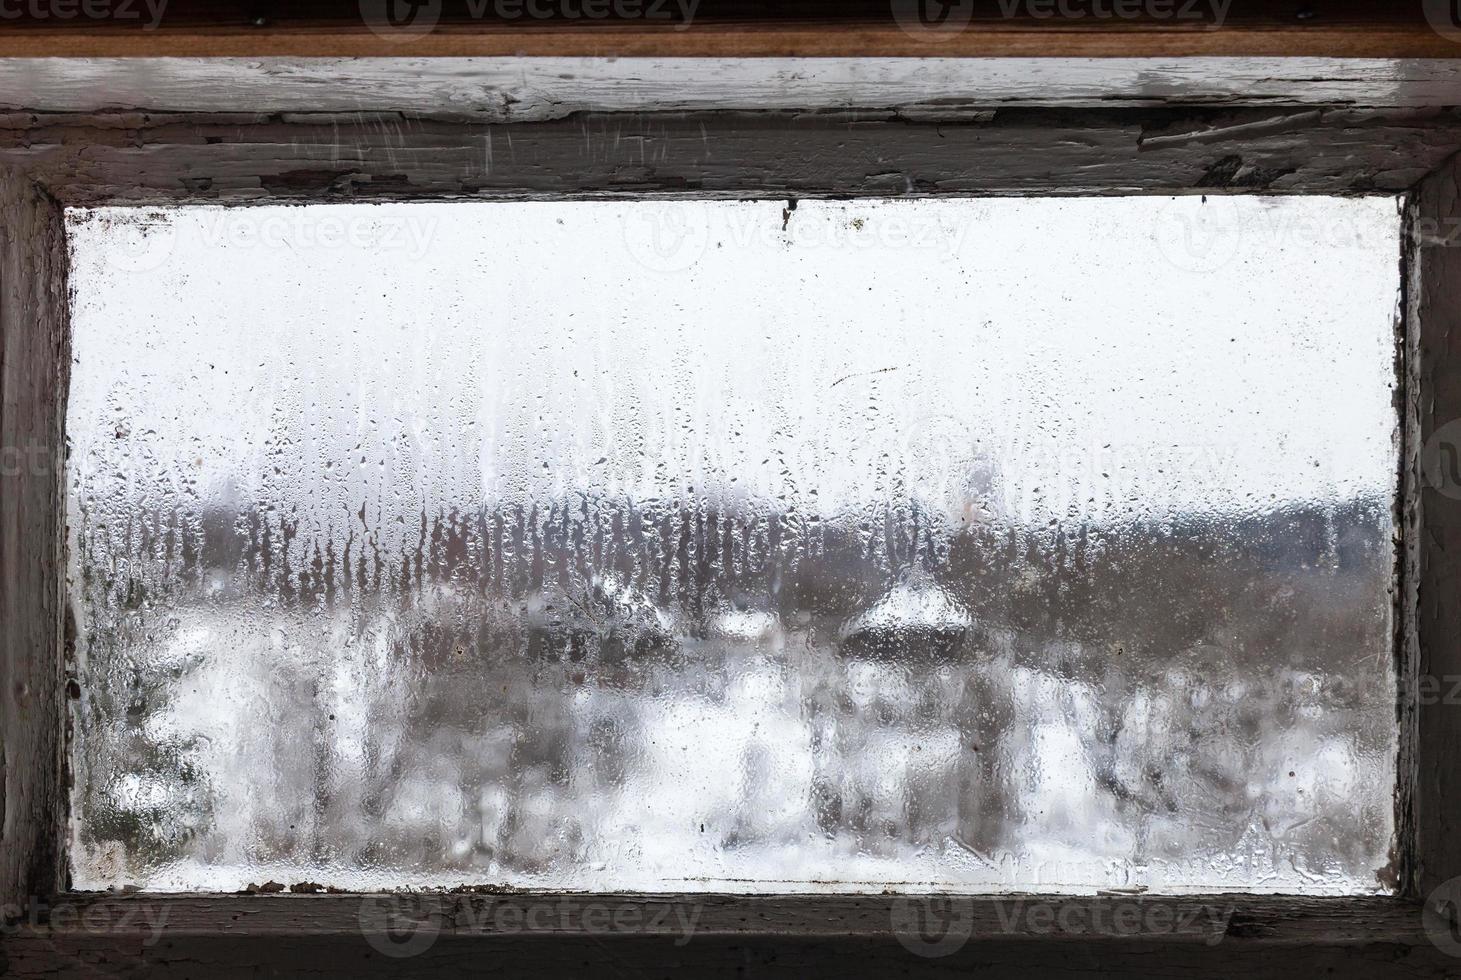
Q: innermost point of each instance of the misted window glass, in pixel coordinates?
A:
(736, 546)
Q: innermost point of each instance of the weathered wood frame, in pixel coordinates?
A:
(926, 147)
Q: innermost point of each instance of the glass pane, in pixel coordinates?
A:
(972, 544)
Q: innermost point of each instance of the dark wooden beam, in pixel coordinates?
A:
(724, 935)
(34, 364)
(730, 41)
(150, 158)
(728, 28)
(1432, 530)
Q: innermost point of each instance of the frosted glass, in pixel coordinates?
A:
(946, 544)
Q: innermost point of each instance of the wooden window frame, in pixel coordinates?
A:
(1386, 136)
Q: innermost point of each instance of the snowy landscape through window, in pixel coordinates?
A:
(984, 545)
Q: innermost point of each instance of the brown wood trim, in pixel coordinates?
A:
(34, 363)
(1433, 452)
(723, 935)
(741, 40)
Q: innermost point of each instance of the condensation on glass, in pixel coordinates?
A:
(950, 544)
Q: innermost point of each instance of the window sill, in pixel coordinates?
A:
(800, 935)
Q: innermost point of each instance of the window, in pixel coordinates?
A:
(1255, 167)
(963, 544)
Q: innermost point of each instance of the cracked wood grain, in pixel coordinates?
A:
(33, 368)
(537, 89)
(147, 158)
